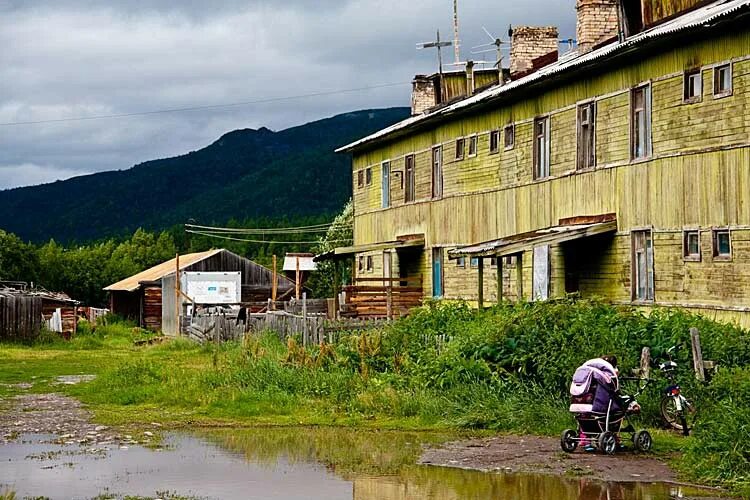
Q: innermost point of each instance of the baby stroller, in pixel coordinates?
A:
(601, 412)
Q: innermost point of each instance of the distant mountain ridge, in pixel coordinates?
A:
(245, 173)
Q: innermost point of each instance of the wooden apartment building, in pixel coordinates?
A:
(619, 170)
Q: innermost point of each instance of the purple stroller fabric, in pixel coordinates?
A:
(600, 377)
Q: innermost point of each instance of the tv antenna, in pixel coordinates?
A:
(495, 42)
(437, 44)
(456, 37)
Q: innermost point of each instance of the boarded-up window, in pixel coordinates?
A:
(460, 148)
(693, 86)
(494, 141)
(643, 266)
(586, 136)
(722, 243)
(691, 245)
(640, 122)
(437, 172)
(541, 284)
(541, 148)
(410, 181)
(509, 137)
(723, 80)
(385, 184)
(473, 145)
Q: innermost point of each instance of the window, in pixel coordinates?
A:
(494, 141)
(493, 262)
(473, 145)
(643, 266)
(722, 244)
(360, 264)
(368, 176)
(640, 123)
(586, 136)
(460, 148)
(541, 273)
(474, 262)
(541, 148)
(409, 188)
(693, 86)
(723, 80)
(361, 179)
(385, 184)
(691, 245)
(461, 262)
(437, 272)
(509, 136)
(437, 172)
(369, 264)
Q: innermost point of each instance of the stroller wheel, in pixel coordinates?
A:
(607, 442)
(569, 440)
(642, 440)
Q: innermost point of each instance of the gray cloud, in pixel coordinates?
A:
(82, 57)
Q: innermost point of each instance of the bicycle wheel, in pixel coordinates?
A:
(675, 419)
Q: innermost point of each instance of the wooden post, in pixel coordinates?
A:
(500, 286)
(177, 296)
(274, 285)
(336, 288)
(305, 330)
(389, 301)
(695, 339)
(480, 268)
(519, 275)
(645, 370)
(297, 284)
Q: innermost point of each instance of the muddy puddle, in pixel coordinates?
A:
(298, 463)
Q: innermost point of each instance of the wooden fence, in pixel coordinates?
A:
(313, 329)
(382, 297)
(20, 317)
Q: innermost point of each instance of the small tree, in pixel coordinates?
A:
(341, 233)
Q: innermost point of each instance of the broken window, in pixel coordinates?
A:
(541, 148)
(640, 122)
(473, 145)
(722, 243)
(643, 265)
(494, 141)
(691, 246)
(385, 184)
(368, 176)
(586, 136)
(693, 86)
(723, 80)
(460, 148)
(509, 136)
(437, 172)
(409, 188)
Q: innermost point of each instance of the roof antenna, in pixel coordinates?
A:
(456, 38)
(498, 46)
(436, 45)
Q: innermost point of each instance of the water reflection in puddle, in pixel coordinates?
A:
(297, 463)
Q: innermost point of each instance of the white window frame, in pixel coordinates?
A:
(385, 184)
(509, 129)
(650, 285)
(541, 156)
(647, 132)
(686, 256)
(686, 79)
(437, 172)
(494, 135)
(473, 145)
(728, 92)
(715, 244)
(581, 164)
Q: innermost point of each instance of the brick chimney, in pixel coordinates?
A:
(423, 95)
(598, 21)
(529, 43)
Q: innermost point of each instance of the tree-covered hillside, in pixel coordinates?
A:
(245, 174)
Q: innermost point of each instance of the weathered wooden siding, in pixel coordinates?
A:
(20, 317)
(698, 175)
(152, 304)
(655, 11)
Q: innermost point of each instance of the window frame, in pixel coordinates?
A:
(686, 255)
(437, 172)
(650, 285)
(647, 123)
(461, 262)
(368, 176)
(494, 137)
(581, 164)
(542, 170)
(410, 178)
(474, 263)
(724, 93)
(460, 149)
(385, 184)
(370, 264)
(360, 179)
(509, 131)
(688, 75)
(361, 264)
(473, 145)
(715, 243)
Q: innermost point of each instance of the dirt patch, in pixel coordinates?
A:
(59, 416)
(534, 454)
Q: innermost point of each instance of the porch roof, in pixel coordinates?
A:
(567, 230)
(346, 252)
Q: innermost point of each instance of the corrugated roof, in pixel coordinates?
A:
(133, 283)
(693, 19)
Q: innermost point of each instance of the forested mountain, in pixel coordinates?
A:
(245, 174)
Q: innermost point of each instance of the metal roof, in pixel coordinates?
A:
(700, 17)
(518, 242)
(133, 283)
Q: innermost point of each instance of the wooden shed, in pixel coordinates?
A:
(20, 315)
(148, 298)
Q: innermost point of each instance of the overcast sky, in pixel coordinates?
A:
(78, 58)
